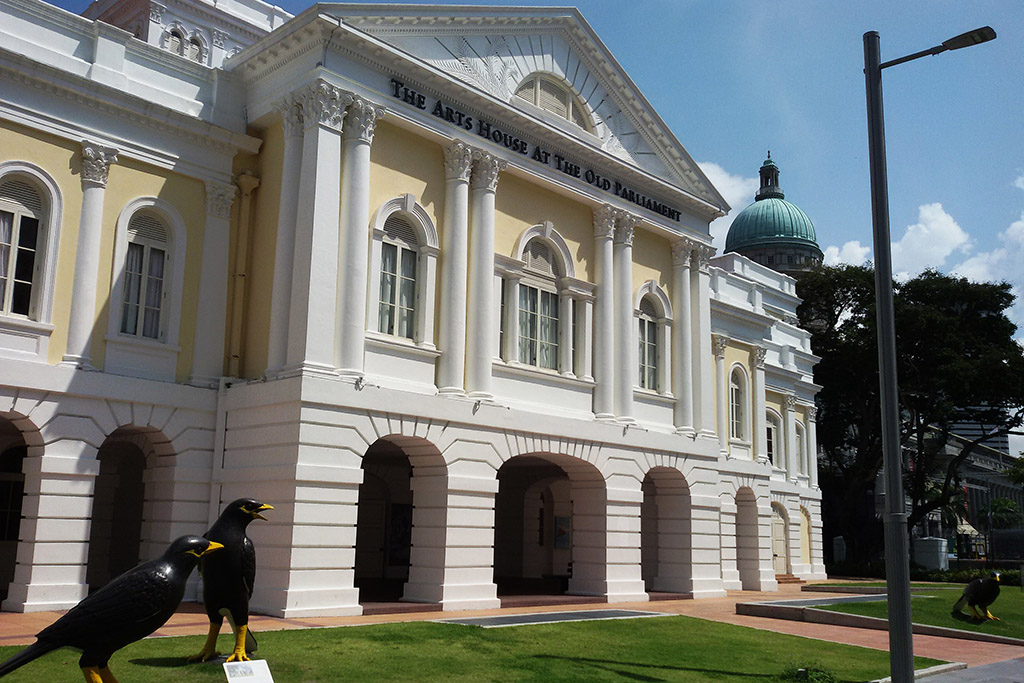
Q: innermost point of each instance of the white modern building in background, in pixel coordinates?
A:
(436, 282)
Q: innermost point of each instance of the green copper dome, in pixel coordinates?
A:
(771, 221)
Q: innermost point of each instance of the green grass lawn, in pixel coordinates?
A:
(654, 649)
(935, 610)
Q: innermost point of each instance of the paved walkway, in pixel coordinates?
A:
(20, 629)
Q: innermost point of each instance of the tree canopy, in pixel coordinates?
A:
(958, 364)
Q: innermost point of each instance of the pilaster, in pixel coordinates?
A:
(700, 291)
(625, 345)
(719, 344)
(604, 330)
(760, 440)
(682, 336)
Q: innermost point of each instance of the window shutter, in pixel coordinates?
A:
(553, 98)
(526, 91)
(398, 229)
(538, 257)
(22, 194)
(147, 227)
(647, 308)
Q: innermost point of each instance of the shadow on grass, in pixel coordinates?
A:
(611, 667)
(160, 662)
(967, 618)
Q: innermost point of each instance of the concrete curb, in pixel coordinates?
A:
(931, 671)
(781, 610)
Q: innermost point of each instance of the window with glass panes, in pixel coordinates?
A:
(21, 210)
(145, 268)
(736, 406)
(399, 253)
(538, 308)
(774, 446)
(648, 352)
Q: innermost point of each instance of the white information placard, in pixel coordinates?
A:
(253, 671)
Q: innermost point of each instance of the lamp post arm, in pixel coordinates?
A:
(917, 55)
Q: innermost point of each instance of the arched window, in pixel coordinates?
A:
(398, 258)
(801, 459)
(143, 291)
(21, 241)
(195, 50)
(648, 353)
(737, 405)
(538, 307)
(555, 96)
(175, 41)
(776, 450)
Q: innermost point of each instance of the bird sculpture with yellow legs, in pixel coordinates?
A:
(978, 595)
(228, 580)
(127, 609)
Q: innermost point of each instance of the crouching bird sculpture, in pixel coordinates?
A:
(127, 609)
(978, 595)
(228, 579)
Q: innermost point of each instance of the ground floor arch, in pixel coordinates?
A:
(666, 538)
(747, 539)
(550, 526)
(780, 540)
(13, 449)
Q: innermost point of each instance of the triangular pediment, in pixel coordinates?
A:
(496, 49)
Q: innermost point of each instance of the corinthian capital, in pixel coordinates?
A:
(486, 167)
(718, 344)
(290, 109)
(96, 161)
(625, 226)
(704, 253)
(219, 197)
(812, 413)
(323, 104)
(604, 221)
(682, 249)
(458, 160)
(758, 356)
(362, 119)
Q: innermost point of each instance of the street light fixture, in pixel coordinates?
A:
(897, 567)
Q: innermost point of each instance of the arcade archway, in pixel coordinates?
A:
(747, 561)
(666, 548)
(13, 450)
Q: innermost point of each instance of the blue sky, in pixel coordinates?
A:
(735, 78)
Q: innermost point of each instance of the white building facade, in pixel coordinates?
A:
(435, 282)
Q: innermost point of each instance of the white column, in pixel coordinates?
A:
(510, 354)
(284, 251)
(625, 344)
(757, 390)
(604, 329)
(314, 291)
(791, 454)
(812, 445)
(451, 366)
(584, 338)
(480, 301)
(208, 351)
(700, 282)
(565, 334)
(247, 183)
(721, 394)
(353, 256)
(96, 161)
(682, 336)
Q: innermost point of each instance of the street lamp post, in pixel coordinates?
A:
(897, 560)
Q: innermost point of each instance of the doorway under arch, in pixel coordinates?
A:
(780, 540)
(549, 527)
(13, 450)
(666, 549)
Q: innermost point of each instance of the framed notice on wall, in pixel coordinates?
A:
(563, 533)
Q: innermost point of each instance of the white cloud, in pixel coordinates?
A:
(929, 242)
(737, 190)
(1004, 263)
(1019, 182)
(852, 252)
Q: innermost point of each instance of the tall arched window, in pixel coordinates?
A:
(555, 96)
(538, 307)
(801, 459)
(398, 257)
(194, 50)
(776, 450)
(737, 405)
(648, 352)
(175, 41)
(143, 292)
(21, 219)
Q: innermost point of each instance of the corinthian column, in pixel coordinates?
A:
(625, 347)
(451, 366)
(812, 446)
(700, 281)
(211, 317)
(96, 161)
(760, 439)
(604, 329)
(284, 253)
(721, 393)
(355, 226)
(314, 290)
(791, 454)
(480, 333)
(682, 336)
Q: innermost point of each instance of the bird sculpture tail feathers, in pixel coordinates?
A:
(961, 603)
(33, 651)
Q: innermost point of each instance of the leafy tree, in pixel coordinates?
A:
(1004, 513)
(957, 361)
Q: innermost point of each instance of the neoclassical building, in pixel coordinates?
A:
(436, 282)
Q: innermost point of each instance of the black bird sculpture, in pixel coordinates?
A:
(228, 579)
(127, 609)
(978, 595)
